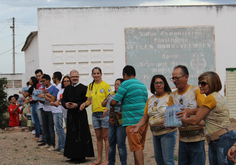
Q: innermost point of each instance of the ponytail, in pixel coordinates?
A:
(91, 85)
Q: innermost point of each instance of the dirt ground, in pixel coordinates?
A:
(18, 148)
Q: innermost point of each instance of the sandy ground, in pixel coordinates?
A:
(18, 148)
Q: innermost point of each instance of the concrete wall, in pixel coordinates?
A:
(14, 90)
(31, 59)
(82, 38)
(61, 30)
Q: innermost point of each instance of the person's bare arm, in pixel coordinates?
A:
(24, 94)
(86, 103)
(113, 103)
(141, 123)
(15, 109)
(201, 114)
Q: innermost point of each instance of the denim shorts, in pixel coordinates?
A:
(99, 122)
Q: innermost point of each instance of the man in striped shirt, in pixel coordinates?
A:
(133, 96)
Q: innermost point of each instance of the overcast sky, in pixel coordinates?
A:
(25, 13)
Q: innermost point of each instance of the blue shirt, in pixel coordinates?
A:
(133, 97)
(53, 91)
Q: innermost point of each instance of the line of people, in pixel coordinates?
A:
(127, 112)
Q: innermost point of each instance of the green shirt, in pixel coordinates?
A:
(133, 96)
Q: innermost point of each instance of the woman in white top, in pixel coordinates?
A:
(65, 82)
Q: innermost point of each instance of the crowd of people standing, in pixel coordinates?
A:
(127, 112)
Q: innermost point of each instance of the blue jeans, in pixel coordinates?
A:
(58, 121)
(164, 148)
(41, 123)
(34, 113)
(117, 135)
(192, 153)
(48, 127)
(218, 149)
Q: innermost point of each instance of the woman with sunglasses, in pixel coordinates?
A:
(215, 114)
(163, 138)
(97, 91)
(116, 132)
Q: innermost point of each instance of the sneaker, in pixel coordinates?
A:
(45, 146)
(42, 144)
(51, 148)
(33, 132)
(57, 149)
(61, 152)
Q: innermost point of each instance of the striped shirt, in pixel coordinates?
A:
(133, 97)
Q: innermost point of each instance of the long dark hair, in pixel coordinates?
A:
(166, 85)
(34, 80)
(62, 84)
(91, 84)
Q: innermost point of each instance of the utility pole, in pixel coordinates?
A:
(13, 39)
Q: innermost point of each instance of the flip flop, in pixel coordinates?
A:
(94, 164)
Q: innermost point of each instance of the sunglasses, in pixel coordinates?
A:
(202, 83)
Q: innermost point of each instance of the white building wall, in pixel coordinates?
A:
(31, 58)
(78, 38)
(97, 27)
(11, 90)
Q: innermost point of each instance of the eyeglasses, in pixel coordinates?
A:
(161, 83)
(176, 78)
(74, 77)
(202, 83)
(66, 81)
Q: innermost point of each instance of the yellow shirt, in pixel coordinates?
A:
(218, 117)
(192, 99)
(98, 93)
(155, 109)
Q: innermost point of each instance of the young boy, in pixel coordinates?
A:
(14, 112)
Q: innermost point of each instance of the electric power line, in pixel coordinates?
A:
(11, 49)
(4, 26)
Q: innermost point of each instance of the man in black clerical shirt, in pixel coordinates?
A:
(78, 139)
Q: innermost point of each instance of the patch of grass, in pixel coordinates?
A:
(153, 156)
(16, 149)
(35, 159)
(27, 158)
(149, 139)
(176, 157)
(25, 137)
(25, 146)
(37, 147)
(16, 139)
(4, 137)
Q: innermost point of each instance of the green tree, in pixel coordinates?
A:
(3, 100)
